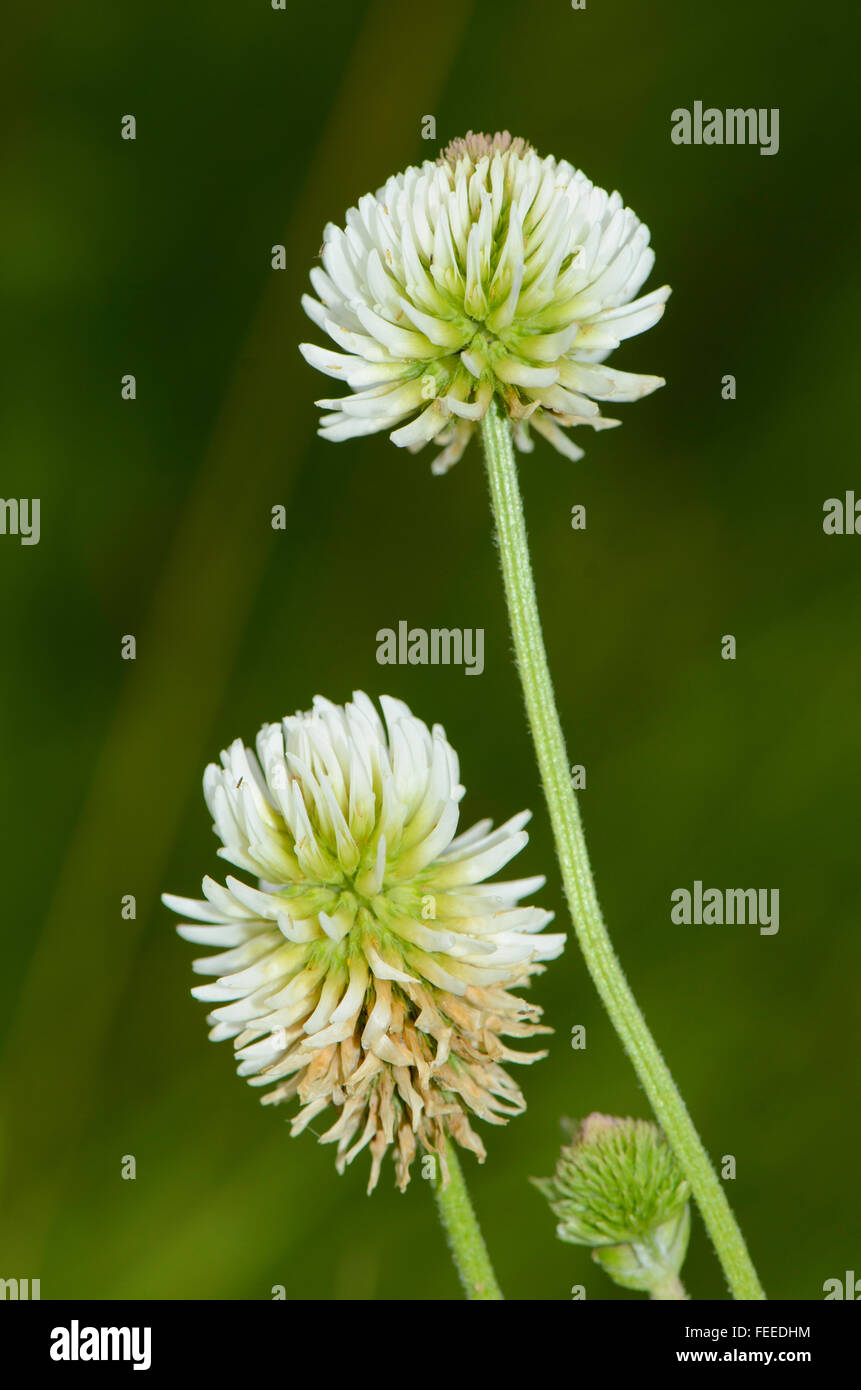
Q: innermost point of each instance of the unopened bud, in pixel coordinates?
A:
(618, 1188)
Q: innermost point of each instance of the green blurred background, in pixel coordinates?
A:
(255, 127)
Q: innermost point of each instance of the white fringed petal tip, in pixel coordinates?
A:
(492, 272)
(370, 968)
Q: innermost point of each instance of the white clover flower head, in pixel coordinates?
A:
(490, 273)
(370, 968)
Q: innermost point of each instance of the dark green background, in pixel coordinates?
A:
(704, 517)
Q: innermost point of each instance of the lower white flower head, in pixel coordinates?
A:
(370, 969)
(492, 272)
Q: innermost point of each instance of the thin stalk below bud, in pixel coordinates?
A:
(671, 1290)
(601, 960)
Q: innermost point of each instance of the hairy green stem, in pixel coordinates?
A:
(579, 884)
(463, 1233)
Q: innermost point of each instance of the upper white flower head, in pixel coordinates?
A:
(490, 272)
(369, 969)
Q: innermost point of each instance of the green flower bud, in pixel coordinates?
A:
(619, 1188)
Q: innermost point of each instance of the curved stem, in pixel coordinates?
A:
(463, 1233)
(582, 898)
